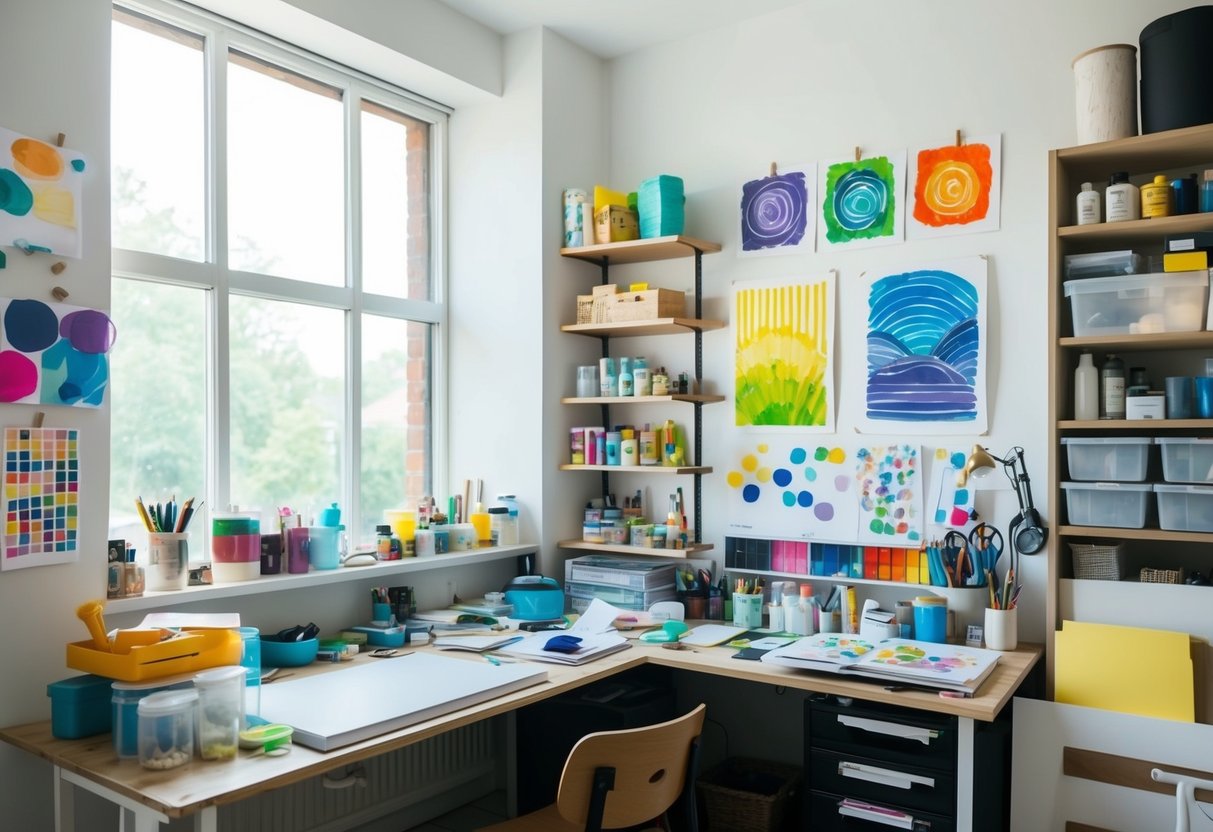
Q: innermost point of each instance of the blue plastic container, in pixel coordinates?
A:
(289, 653)
(659, 204)
(124, 709)
(80, 706)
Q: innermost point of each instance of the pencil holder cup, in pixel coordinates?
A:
(931, 619)
(747, 610)
(381, 614)
(168, 560)
(1002, 629)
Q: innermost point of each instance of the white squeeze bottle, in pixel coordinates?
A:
(806, 611)
(1089, 212)
(1086, 389)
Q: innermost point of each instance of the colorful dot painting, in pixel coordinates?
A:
(41, 496)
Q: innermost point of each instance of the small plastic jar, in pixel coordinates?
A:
(220, 711)
(503, 526)
(166, 728)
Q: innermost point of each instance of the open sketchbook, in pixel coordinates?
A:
(944, 666)
(597, 638)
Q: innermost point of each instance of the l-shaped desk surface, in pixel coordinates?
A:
(199, 785)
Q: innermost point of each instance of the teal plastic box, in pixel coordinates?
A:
(80, 706)
(659, 205)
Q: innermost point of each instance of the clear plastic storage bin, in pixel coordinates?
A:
(1185, 508)
(627, 599)
(1168, 302)
(1120, 505)
(1117, 458)
(1186, 459)
(1103, 264)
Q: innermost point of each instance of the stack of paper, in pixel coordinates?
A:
(1129, 669)
(476, 644)
(594, 628)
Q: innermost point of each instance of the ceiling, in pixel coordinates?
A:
(610, 28)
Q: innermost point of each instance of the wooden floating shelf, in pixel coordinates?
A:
(1137, 424)
(698, 398)
(691, 549)
(1153, 341)
(639, 469)
(1135, 534)
(1137, 231)
(655, 326)
(641, 251)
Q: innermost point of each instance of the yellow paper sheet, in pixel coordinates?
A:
(1128, 669)
(605, 196)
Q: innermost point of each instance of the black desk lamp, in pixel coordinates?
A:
(1027, 532)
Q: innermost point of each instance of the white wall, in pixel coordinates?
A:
(810, 83)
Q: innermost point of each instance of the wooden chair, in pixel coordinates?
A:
(616, 779)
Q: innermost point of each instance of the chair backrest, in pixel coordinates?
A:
(1189, 816)
(650, 765)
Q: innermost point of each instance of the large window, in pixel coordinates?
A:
(276, 281)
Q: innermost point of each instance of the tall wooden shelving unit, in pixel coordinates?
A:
(605, 255)
(1175, 152)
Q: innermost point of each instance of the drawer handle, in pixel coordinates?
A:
(891, 729)
(878, 814)
(884, 776)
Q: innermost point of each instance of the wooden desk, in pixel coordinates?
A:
(198, 788)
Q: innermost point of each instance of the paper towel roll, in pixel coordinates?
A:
(574, 231)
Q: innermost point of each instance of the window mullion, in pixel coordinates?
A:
(352, 468)
(219, 417)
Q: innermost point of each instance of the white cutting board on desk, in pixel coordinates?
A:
(329, 710)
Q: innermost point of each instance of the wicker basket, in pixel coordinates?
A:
(585, 309)
(1098, 561)
(747, 795)
(1161, 576)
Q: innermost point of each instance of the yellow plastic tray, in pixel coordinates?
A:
(185, 653)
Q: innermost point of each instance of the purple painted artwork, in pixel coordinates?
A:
(777, 215)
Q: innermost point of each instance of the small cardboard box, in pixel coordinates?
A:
(647, 305)
(615, 223)
(1145, 407)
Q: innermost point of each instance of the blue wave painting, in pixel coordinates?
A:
(923, 348)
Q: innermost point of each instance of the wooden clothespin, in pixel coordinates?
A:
(60, 139)
(858, 153)
(773, 171)
(959, 140)
(38, 417)
(58, 267)
(60, 293)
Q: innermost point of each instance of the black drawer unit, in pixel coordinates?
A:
(883, 732)
(836, 813)
(913, 787)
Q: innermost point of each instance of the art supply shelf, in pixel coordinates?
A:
(1174, 152)
(605, 255)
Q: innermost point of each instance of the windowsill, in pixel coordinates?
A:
(284, 582)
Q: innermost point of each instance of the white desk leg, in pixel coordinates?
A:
(207, 820)
(964, 775)
(65, 803)
(146, 819)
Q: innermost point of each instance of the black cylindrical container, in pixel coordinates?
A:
(1177, 70)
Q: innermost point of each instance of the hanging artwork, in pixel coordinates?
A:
(784, 367)
(926, 347)
(51, 353)
(888, 480)
(948, 504)
(41, 496)
(778, 213)
(40, 195)
(791, 488)
(862, 201)
(956, 189)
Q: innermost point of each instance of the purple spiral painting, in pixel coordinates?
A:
(774, 211)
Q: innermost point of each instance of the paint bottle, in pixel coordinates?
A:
(649, 453)
(1156, 198)
(1206, 192)
(606, 377)
(1122, 200)
(625, 376)
(1086, 389)
(661, 383)
(1183, 195)
(1112, 382)
(1089, 212)
(807, 610)
(642, 381)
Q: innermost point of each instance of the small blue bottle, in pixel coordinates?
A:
(1206, 192)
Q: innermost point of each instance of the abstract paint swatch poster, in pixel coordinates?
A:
(955, 189)
(51, 353)
(926, 349)
(784, 360)
(791, 488)
(888, 479)
(41, 496)
(948, 504)
(862, 201)
(41, 187)
(778, 213)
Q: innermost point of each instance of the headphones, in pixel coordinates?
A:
(1028, 533)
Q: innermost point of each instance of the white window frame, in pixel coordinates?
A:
(221, 35)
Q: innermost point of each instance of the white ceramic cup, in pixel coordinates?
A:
(1002, 629)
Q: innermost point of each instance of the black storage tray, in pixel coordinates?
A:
(824, 817)
(827, 772)
(826, 731)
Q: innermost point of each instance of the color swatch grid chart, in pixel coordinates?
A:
(41, 481)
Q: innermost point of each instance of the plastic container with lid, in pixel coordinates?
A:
(235, 546)
(1116, 458)
(124, 709)
(1186, 459)
(1185, 508)
(503, 526)
(166, 728)
(1120, 505)
(220, 711)
(1166, 302)
(250, 660)
(79, 706)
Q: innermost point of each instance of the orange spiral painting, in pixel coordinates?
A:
(953, 185)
